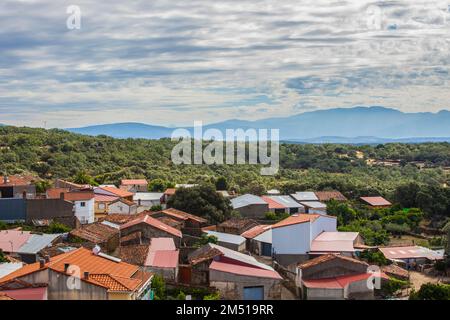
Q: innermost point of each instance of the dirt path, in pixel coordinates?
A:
(417, 279)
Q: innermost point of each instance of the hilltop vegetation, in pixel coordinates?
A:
(57, 153)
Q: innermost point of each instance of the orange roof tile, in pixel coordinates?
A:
(128, 182)
(118, 192)
(376, 201)
(154, 223)
(272, 203)
(170, 191)
(256, 231)
(296, 219)
(326, 258)
(183, 215)
(330, 195)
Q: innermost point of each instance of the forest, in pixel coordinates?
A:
(419, 177)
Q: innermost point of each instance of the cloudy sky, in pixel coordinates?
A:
(172, 62)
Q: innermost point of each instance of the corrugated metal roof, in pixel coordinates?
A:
(148, 196)
(410, 252)
(231, 254)
(314, 205)
(227, 237)
(264, 237)
(305, 196)
(244, 270)
(9, 267)
(162, 258)
(157, 244)
(37, 242)
(245, 200)
(13, 240)
(286, 201)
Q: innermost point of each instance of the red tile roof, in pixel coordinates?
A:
(272, 203)
(328, 257)
(183, 215)
(129, 182)
(330, 195)
(95, 232)
(105, 198)
(376, 201)
(17, 180)
(256, 231)
(125, 201)
(243, 270)
(154, 223)
(296, 219)
(170, 191)
(115, 276)
(118, 192)
(55, 193)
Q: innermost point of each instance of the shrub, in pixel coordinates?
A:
(431, 291)
(212, 296)
(156, 207)
(159, 287)
(270, 216)
(56, 227)
(388, 288)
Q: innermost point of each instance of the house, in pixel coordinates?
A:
(21, 290)
(83, 201)
(259, 240)
(273, 192)
(25, 245)
(314, 207)
(134, 185)
(159, 257)
(236, 225)
(237, 276)
(102, 234)
(149, 228)
(148, 199)
(37, 210)
(190, 224)
(324, 196)
(64, 184)
(113, 191)
(304, 196)
(168, 194)
(17, 186)
(83, 274)
(336, 277)
(227, 240)
(345, 243)
(410, 257)
(292, 237)
(376, 202)
(250, 206)
(101, 204)
(283, 204)
(122, 206)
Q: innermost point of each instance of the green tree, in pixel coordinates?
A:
(159, 287)
(221, 183)
(157, 185)
(431, 291)
(2, 257)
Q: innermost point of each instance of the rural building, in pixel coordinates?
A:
(122, 206)
(97, 277)
(99, 233)
(304, 196)
(259, 240)
(236, 275)
(83, 202)
(376, 202)
(134, 185)
(25, 245)
(236, 225)
(228, 240)
(113, 191)
(190, 224)
(250, 206)
(411, 257)
(149, 228)
(346, 243)
(148, 199)
(283, 204)
(168, 194)
(21, 290)
(292, 237)
(335, 277)
(324, 196)
(101, 204)
(314, 207)
(17, 186)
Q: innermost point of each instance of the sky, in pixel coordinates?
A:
(169, 62)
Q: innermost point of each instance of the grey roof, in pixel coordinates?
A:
(148, 196)
(227, 237)
(37, 242)
(314, 204)
(266, 236)
(287, 201)
(305, 196)
(9, 267)
(245, 200)
(13, 209)
(110, 224)
(240, 257)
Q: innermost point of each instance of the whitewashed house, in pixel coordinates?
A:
(122, 206)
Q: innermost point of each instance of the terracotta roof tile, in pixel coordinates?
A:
(154, 223)
(296, 219)
(272, 203)
(119, 192)
(326, 258)
(256, 231)
(183, 215)
(17, 180)
(134, 254)
(128, 182)
(95, 232)
(330, 195)
(376, 201)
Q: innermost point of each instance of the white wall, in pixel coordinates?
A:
(293, 239)
(321, 224)
(85, 214)
(121, 208)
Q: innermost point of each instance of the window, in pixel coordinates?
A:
(83, 204)
(101, 206)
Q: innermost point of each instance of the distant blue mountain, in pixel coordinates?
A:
(358, 124)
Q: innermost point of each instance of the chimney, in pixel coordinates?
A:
(5, 179)
(24, 194)
(86, 275)
(41, 263)
(139, 202)
(47, 258)
(66, 266)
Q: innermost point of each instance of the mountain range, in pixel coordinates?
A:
(346, 125)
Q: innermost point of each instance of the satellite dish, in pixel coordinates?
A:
(96, 250)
